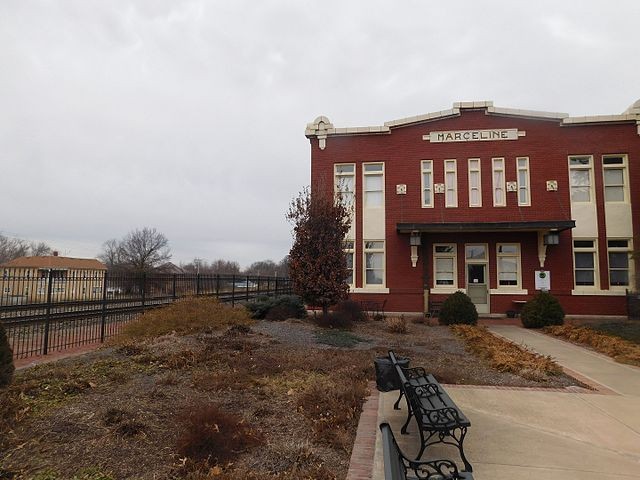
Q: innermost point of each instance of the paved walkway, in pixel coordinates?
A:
(532, 433)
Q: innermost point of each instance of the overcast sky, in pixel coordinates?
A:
(189, 116)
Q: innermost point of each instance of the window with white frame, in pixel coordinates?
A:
(349, 251)
(499, 197)
(619, 255)
(373, 184)
(615, 178)
(427, 183)
(374, 263)
(345, 183)
(580, 178)
(444, 265)
(451, 183)
(508, 264)
(524, 193)
(585, 262)
(475, 187)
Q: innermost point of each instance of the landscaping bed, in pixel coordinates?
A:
(224, 398)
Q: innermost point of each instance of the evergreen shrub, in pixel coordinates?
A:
(6, 359)
(542, 311)
(351, 309)
(277, 308)
(458, 309)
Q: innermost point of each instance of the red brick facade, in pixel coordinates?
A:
(547, 141)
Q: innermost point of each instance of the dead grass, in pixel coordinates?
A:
(622, 351)
(184, 317)
(396, 325)
(506, 356)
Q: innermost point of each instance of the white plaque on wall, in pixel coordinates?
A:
(543, 280)
(474, 135)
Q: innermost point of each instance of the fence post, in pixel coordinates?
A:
(233, 290)
(47, 322)
(197, 284)
(143, 282)
(217, 285)
(103, 319)
(174, 288)
(246, 289)
(275, 289)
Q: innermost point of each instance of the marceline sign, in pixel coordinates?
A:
(473, 135)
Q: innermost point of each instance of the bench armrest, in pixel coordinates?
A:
(414, 372)
(433, 469)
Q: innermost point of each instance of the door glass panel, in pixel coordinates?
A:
(476, 274)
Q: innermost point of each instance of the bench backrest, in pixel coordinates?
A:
(394, 469)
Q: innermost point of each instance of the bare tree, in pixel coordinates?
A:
(139, 251)
(317, 262)
(224, 267)
(11, 248)
(262, 267)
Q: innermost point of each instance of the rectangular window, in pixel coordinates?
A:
(451, 183)
(580, 178)
(499, 197)
(524, 195)
(427, 183)
(475, 187)
(444, 265)
(615, 178)
(349, 251)
(374, 263)
(373, 185)
(508, 264)
(345, 183)
(584, 260)
(619, 254)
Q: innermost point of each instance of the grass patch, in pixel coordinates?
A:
(184, 317)
(627, 331)
(338, 338)
(506, 356)
(622, 351)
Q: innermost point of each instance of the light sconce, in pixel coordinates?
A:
(415, 240)
(551, 239)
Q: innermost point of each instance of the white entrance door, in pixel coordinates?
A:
(477, 261)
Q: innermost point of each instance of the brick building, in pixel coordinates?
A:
(496, 202)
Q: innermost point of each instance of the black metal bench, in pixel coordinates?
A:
(397, 466)
(434, 309)
(438, 418)
(373, 309)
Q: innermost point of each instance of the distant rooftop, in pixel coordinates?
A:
(56, 262)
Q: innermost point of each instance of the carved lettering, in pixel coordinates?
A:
(474, 135)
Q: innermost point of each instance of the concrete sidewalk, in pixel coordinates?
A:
(533, 433)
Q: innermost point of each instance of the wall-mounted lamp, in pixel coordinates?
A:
(415, 240)
(551, 239)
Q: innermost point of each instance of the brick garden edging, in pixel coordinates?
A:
(364, 447)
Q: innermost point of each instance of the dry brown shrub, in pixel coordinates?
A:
(620, 350)
(212, 436)
(506, 356)
(184, 317)
(333, 406)
(396, 324)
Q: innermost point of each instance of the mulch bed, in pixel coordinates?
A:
(119, 412)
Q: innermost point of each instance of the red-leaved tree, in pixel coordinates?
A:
(317, 261)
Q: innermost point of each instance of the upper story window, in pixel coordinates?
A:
(373, 184)
(508, 264)
(619, 254)
(499, 197)
(451, 183)
(585, 261)
(427, 183)
(524, 193)
(444, 265)
(580, 178)
(345, 183)
(475, 186)
(374, 263)
(615, 178)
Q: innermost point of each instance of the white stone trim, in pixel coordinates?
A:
(598, 292)
(368, 290)
(506, 291)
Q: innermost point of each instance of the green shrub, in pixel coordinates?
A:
(351, 309)
(6, 359)
(541, 311)
(458, 309)
(277, 308)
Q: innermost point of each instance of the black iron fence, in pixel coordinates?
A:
(52, 311)
(633, 305)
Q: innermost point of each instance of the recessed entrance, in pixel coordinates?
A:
(477, 260)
